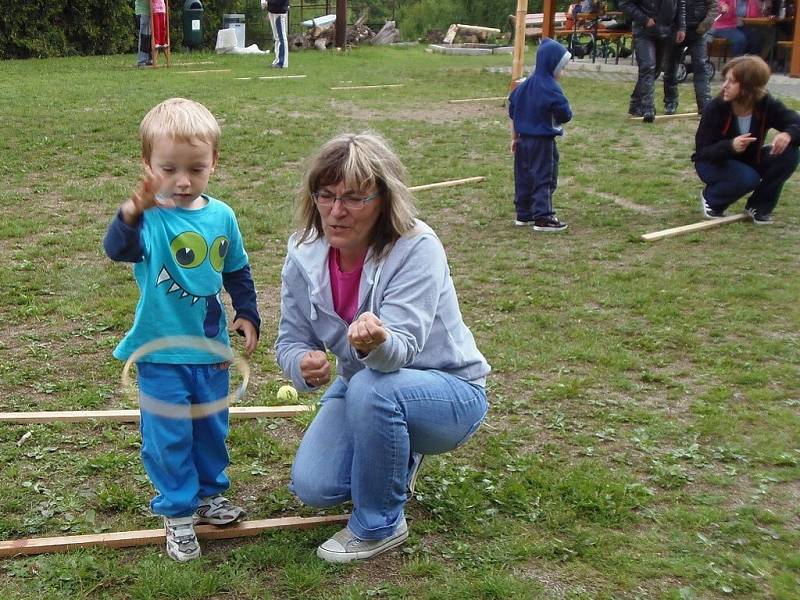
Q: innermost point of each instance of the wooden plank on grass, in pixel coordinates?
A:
(132, 416)
(460, 100)
(206, 71)
(675, 116)
(283, 77)
(146, 537)
(368, 87)
(450, 183)
(668, 233)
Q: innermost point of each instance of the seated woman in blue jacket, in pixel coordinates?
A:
(367, 282)
(730, 156)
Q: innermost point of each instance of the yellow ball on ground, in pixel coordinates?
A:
(287, 393)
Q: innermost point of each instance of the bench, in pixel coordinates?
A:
(534, 23)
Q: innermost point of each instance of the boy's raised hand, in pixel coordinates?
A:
(143, 197)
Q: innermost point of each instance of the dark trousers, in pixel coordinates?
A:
(535, 176)
(650, 49)
(696, 43)
(729, 180)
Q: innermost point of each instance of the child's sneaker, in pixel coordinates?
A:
(182, 544)
(217, 510)
(759, 219)
(522, 223)
(549, 224)
(346, 547)
(708, 212)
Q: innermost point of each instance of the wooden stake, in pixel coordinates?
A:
(132, 416)
(477, 99)
(675, 116)
(519, 43)
(145, 537)
(668, 233)
(283, 77)
(368, 87)
(440, 184)
(207, 71)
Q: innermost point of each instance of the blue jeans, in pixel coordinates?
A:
(185, 458)
(535, 176)
(736, 37)
(729, 180)
(360, 443)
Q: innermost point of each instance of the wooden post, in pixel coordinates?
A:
(549, 12)
(519, 43)
(794, 66)
(341, 24)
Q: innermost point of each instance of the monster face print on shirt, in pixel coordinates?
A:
(191, 254)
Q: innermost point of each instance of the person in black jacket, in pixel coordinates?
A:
(700, 16)
(730, 157)
(279, 21)
(654, 23)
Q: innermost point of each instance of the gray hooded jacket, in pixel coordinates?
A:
(410, 290)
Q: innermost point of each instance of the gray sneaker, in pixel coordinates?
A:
(708, 212)
(413, 471)
(218, 510)
(346, 547)
(759, 219)
(182, 544)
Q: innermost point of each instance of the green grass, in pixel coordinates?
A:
(644, 433)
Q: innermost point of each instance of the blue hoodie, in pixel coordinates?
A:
(537, 105)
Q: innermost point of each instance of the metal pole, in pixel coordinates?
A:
(341, 24)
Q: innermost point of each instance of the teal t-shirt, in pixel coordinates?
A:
(185, 253)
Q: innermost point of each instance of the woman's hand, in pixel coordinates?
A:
(741, 142)
(780, 143)
(366, 333)
(315, 368)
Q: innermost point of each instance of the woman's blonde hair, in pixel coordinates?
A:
(362, 161)
(752, 75)
(178, 119)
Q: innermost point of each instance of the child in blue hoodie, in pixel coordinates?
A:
(537, 108)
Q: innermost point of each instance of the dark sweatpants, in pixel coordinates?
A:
(535, 176)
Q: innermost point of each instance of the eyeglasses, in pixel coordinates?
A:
(349, 201)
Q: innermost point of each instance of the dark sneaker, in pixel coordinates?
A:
(218, 510)
(182, 544)
(670, 110)
(346, 547)
(708, 212)
(648, 116)
(549, 224)
(635, 111)
(759, 219)
(522, 223)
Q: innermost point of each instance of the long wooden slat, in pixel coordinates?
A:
(368, 87)
(667, 233)
(675, 116)
(132, 416)
(461, 100)
(450, 183)
(145, 537)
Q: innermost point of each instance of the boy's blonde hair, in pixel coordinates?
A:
(362, 161)
(179, 119)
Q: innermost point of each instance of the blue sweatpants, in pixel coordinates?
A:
(185, 458)
(535, 176)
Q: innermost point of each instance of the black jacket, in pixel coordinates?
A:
(718, 127)
(666, 13)
(278, 6)
(700, 14)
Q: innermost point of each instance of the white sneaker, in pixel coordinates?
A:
(218, 510)
(346, 547)
(182, 544)
(413, 471)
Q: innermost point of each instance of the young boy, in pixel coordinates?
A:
(537, 108)
(185, 247)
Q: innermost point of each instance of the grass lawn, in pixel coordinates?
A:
(644, 433)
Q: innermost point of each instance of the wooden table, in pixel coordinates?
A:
(772, 24)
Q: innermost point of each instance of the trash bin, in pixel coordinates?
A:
(235, 22)
(193, 23)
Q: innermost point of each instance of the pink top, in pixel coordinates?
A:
(159, 6)
(727, 15)
(344, 286)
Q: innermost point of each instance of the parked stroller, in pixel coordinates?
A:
(685, 66)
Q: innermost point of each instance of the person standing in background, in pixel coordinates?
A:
(278, 11)
(141, 11)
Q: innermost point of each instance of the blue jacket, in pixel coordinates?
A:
(537, 105)
(410, 290)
